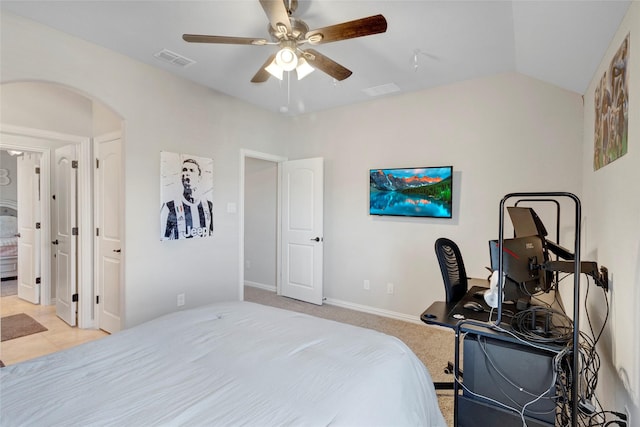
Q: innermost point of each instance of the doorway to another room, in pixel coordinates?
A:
(281, 218)
(261, 223)
(63, 259)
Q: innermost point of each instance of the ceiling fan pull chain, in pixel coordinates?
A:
(288, 89)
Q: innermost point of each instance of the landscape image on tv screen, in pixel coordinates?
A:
(422, 192)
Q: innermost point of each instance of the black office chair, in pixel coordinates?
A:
(456, 284)
(452, 268)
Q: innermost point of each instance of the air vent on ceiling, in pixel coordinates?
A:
(173, 58)
(382, 89)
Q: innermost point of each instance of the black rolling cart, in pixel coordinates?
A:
(508, 379)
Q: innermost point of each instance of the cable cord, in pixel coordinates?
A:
(592, 367)
(587, 377)
(563, 376)
(517, 408)
(602, 421)
(488, 358)
(558, 334)
(496, 402)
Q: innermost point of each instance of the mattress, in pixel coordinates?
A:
(226, 364)
(8, 247)
(8, 231)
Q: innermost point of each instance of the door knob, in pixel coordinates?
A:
(55, 242)
(316, 239)
(117, 250)
(16, 235)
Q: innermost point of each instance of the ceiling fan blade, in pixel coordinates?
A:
(198, 38)
(277, 14)
(329, 66)
(292, 5)
(348, 30)
(263, 75)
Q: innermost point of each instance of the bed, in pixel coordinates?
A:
(225, 364)
(8, 240)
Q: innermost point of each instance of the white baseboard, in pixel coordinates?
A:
(271, 288)
(350, 305)
(373, 310)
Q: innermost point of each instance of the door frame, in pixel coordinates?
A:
(244, 154)
(85, 211)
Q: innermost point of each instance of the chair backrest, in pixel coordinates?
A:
(452, 268)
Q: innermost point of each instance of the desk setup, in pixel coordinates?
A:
(448, 314)
(483, 384)
(519, 349)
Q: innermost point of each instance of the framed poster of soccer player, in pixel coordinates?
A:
(186, 193)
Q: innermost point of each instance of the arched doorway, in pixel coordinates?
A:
(46, 117)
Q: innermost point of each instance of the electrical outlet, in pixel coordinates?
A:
(180, 300)
(390, 288)
(367, 285)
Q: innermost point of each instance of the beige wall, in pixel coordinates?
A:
(160, 113)
(502, 134)
(612, 234)
(9, 163)
(260, 196)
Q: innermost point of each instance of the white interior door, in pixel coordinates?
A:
(65, 242)
(302, 184)
(108, 248)
(28, 166)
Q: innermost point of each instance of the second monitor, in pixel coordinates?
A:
(522, 259)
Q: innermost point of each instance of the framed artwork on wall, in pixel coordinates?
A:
(186, 193)
(611, 110)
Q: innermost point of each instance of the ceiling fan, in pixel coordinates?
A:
(291, 34)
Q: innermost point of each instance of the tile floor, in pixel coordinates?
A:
(58, 337)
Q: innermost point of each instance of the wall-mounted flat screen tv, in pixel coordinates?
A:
(420, 192)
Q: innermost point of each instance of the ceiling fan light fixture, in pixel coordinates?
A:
(303, 69)
(275, 70)
(287, 59)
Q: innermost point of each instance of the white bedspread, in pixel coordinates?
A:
(225, 364)
(8, 246)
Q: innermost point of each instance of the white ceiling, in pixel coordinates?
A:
(560, 42)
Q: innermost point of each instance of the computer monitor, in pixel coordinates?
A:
(521, 263)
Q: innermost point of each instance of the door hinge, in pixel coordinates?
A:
(38, 226)
(37, 171)
(38, 280)
(74, 164)
(97, 232)
(97, 163)
(97, 299)
(74, 298)
(74, 231)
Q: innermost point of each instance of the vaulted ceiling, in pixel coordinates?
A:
(427, 43)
